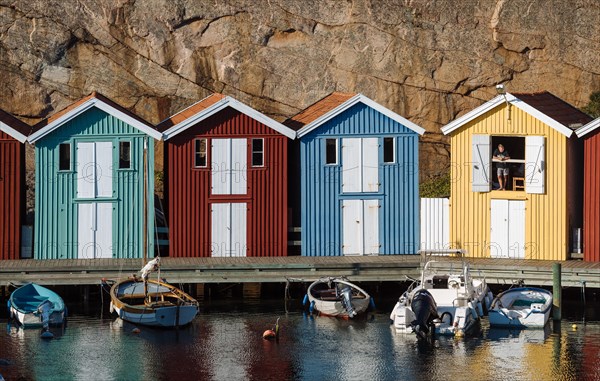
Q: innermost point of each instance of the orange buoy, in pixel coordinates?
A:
(135, 330)
(270, 334)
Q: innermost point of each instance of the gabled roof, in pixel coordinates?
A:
(99, 101)
(591, 126)
(543, 106)
(336, 103)
(211, 105)
(14, 127)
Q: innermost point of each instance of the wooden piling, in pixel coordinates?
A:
(251, 290)
(556, 291)
(199, 291)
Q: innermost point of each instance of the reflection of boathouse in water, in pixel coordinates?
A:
(533, 219)
(89, 200)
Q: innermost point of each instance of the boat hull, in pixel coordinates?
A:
(324, 299)
(160, 317)
(526, 307)
(169, 306)
(25, 303)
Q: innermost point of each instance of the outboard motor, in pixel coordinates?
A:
(346, 296)
(45, 309)
(425, 309)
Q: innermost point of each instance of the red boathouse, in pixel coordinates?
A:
(226, 181)
(13, 134)
(590, 133)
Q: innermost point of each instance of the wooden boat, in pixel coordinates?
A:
(337, 297)
(152, 302)
(453, 304)
(35, 306)
(526, 307)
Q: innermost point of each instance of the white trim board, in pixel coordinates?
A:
(497, 101)
(12, 132)
(220, 105)
(351, 102)
(94, 102)
(591, 126)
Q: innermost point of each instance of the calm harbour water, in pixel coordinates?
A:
(225, 343)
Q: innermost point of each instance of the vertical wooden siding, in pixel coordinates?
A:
(546, 231)
(189, 197)
(591, 195)
(12, 165)
(321, 195)
(56, 207)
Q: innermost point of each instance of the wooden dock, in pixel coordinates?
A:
(385, 268)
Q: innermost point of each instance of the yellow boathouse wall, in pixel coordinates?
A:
(546, 225)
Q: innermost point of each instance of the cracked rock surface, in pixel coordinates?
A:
(429, 61)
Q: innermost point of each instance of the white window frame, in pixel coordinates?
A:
(393, 150)
(337, 155)
(130, 155)
(196, 152)
(253, 152)
(70, 157)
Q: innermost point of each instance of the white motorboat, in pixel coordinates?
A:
(444, 304)
(337, 297)
(526, 307)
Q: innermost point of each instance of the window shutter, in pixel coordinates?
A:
(238, 166)
(220, 166)
(535, 164)
(351, 165)
(481, 162)
(370, 164)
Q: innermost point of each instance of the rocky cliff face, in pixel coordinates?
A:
(429, 61)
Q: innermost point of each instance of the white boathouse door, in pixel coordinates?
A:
(94, 180)
(228, 229)
(229, 164)
(360, 227)
(507, 229)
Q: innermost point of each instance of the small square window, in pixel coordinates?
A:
(388, 150)
(258, 152)
(200, 153)
(124, 155)
(331, 151)
(64, 157)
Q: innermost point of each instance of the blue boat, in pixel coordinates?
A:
(35, 306)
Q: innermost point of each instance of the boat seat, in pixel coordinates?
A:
(159, 303)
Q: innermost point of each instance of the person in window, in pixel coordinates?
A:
(501, 155)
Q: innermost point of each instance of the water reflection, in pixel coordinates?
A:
(225, 343)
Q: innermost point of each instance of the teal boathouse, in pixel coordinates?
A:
(89, 181)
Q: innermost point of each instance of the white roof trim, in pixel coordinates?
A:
(351, 102)
(94, 102)
(12, 132)
(220, 105)
(459, 122)
(591, 126)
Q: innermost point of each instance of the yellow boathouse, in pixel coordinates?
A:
(534, 216)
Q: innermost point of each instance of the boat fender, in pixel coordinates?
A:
(9, 310)
(305, 300)
(311, 308)
(480, 308)
(372, 304)
(111, 308)
(47, 335)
